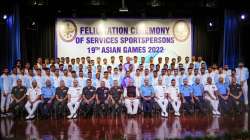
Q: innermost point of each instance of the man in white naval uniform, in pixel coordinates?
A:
(34, 99)
(161, 97)
(211, 96)
(173, 92)
(74, 99)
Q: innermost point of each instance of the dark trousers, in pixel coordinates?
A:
(115, 107)
(102, 107)
(17, 108)
(88, 109)
(224, 105)
(188, 105)
(60, 107)
(45, 108)
(234, 105)
(200, 104)
(147, 105)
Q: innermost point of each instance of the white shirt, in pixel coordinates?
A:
(242, 74)
(173, 92)
(56, 81)
(14, 78)
(154, 81)
(6, 83)
(33, 93)
(107, 84)
(190, 79)
(75, 93)
(138, 81)
(210, 89)
(160, 91)
(38, 80)
(203, 79)
(82, 81)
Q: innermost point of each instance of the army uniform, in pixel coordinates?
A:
(233, 103)
(116, 93)
(61, 93)
(18, 93)
(88, 93)
(102, 94)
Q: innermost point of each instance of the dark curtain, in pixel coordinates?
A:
(10, 34)
(38, 40)
(207, 42)
(231, 38)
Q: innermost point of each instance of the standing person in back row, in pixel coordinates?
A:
(243, 75)
(5, 87)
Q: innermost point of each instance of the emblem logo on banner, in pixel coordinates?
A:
(67, 30)
(181, 31)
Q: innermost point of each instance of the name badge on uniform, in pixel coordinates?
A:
(118, 90)
(64, 91)
(105, 91)
(91, 90)
(21, 89)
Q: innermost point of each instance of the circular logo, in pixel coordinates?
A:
(181, 31)
(67, 30)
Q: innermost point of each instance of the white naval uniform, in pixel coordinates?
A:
(160, 93)
(33, 94)
(175, 101)
(74, 103)
(213, 102)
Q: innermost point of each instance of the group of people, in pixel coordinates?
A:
(84, 85)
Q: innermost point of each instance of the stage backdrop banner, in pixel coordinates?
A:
(123, 37)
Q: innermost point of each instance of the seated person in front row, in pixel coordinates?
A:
(210, 93)
(18, 95)
(223, 93)
(115, 97)
(161, 97)
(147, 94)
(74, 99)
(102, 94)
(197, 95)
(47, 97)
(186, 91)
(34, 98)
(89, 96)
(174, 97)
(131, 95)
(60, 98)
(235, 94)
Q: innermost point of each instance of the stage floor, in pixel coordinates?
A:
(123, 127)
